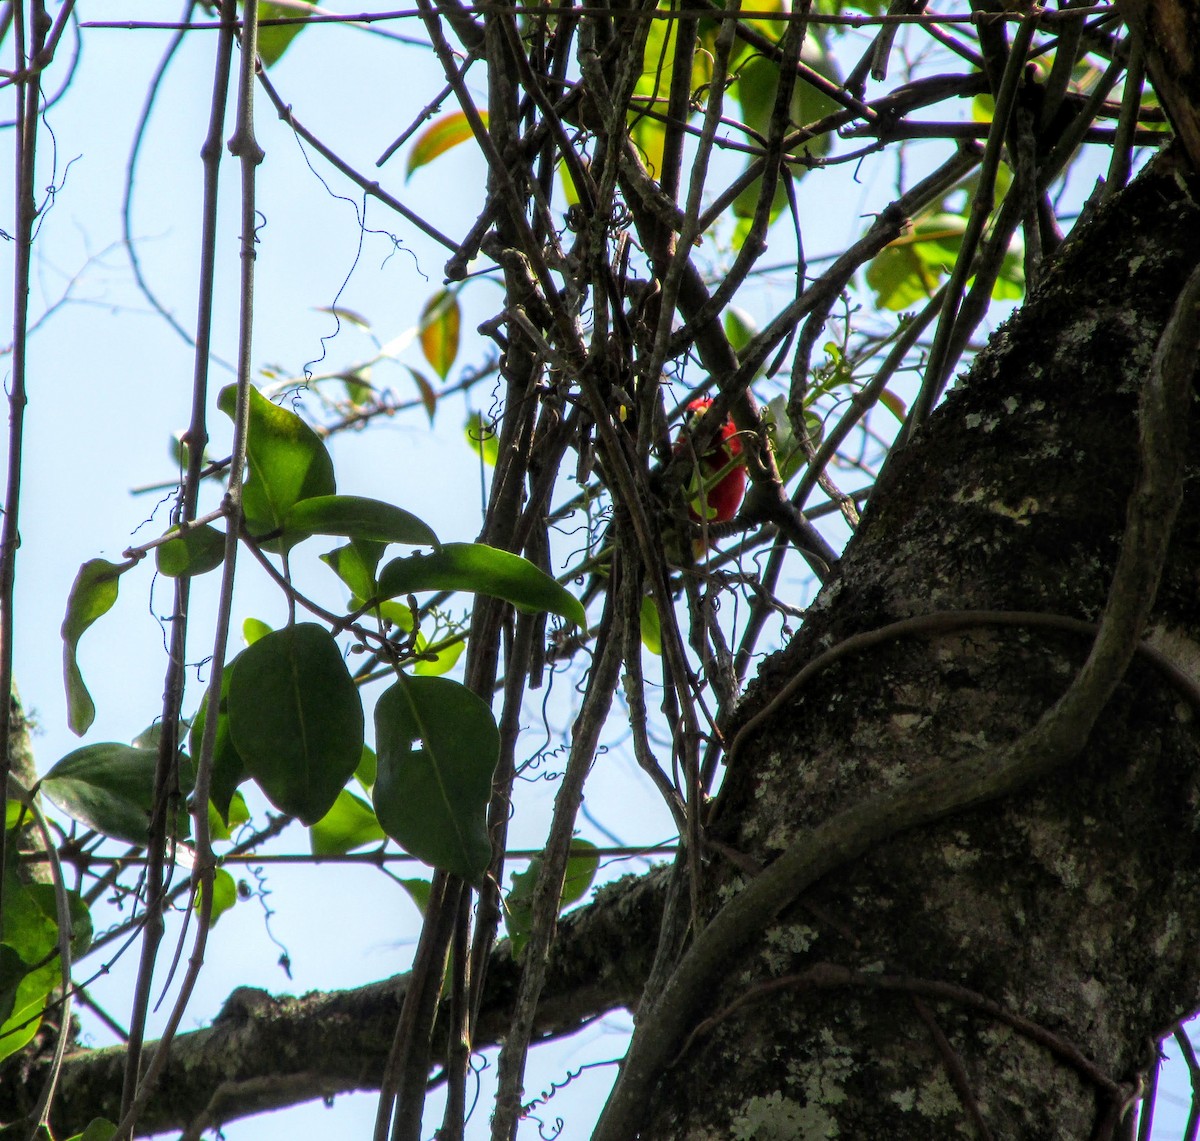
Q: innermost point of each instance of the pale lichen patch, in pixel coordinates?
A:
(1169, 935)
(937, 1098)
(779, 1118)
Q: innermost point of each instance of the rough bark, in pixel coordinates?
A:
(1070, 907)
(1001, 974)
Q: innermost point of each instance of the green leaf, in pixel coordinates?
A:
(910, 269)
(481, 569)
(756, 88)
(275, 39)
(296, 719)
(349, 824)
(92, 595)
(425, 389)
(29, 965)
(253, 629)
(570, 190)
(225, 894)
(740, 328)
(358, 518)
(419, 891)
(228, 768)
(151, 736)
(651, 627)
(200, 550)
(355, 564)
(365, 773)
(482, 438)
(438, 746)
(110, 787)
(359, 389)
(441, 321)
(98, 1130)
(893, 404)
(577, 880)
(219, 827)
(442, 662)
(350, 316)
(288, 462)
(790, 456)
(440, 136)
(652, 90)
(12, 971)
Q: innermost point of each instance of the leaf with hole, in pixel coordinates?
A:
(295, 719)
(481, 569)
(288, 463)
(437, 746)
(93, 594)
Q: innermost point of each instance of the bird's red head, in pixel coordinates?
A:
(723, 476)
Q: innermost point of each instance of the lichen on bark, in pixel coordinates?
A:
(1067, 904)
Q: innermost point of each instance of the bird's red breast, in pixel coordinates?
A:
(719, 501)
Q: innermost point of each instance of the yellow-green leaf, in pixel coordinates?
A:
(441, 321)
(425, 390)
(482, 438)
(275, 39)
(651, 627)
(893, 404)
(440, 136)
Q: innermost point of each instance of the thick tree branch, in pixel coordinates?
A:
(266, 1052)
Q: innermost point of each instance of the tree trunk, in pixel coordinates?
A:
(1005, 972)
(1000, 974)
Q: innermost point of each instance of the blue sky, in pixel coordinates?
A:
(110, 382)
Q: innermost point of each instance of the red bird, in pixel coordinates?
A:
(723, 476)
